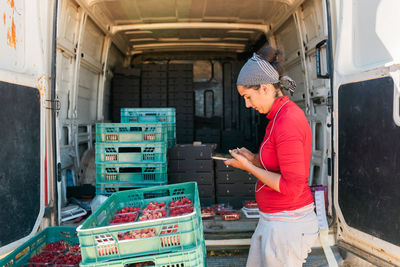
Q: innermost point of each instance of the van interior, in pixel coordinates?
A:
(113, 54)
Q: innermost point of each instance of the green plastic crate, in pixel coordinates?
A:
(146, 115)
(109, 189)
(131, 152)
(99, 240)
(131, 132)
(32, 247)
(135, 173)
(188, 258)
(152, 115)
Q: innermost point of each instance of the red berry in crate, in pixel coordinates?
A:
(69, 259)
(180, 207)
(56, 246)
(127, 209)
(74, 249)
(44, 257)
(125, 217)
(142, 233)
(231, 216)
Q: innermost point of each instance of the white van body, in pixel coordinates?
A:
(347, 103)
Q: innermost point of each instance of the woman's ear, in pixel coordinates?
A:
(264, 89)
(267, 88)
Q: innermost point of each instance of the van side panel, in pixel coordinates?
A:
(19, 161)
(369, 161)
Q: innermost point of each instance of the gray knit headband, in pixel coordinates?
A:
(258, 71)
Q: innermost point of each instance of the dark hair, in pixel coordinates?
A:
(274, 56)
(278, 87)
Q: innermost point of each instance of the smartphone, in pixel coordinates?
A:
(219, 158)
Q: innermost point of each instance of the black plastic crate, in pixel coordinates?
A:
(233, 177)
(191, 152)
(174, 67)
(184, 117)
(180, 74)
(154, 67)
(180, 80)
(191, 176)
(154, 74)
(146, 82)
(185, 124)
(184, 139)
(185, 109)
(129, 72)
(206, 190)
(180, 102)
(200, 165)
(237, 189)
(188, 129)
(207, 201)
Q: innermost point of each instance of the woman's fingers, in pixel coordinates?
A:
(237, 156)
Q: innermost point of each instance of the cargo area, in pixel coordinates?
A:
(123, 54)
(120, 55)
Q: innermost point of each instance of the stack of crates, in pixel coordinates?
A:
(188, 162)
(130, 155)
(169, 240)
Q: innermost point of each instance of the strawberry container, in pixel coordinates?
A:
(131, 152)
(34, 246)
(101, 242)
(220, 208)
(230, 215)
(121, 218)
(250, 204)
(131, 132)
(180, 210)
(207, 213)
(44, 258)
(194, 257)
(62, 260)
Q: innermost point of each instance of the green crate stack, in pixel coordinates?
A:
(130, 155)
(152, 115)
(176, 240)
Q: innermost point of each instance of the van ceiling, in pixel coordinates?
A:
(146, 26)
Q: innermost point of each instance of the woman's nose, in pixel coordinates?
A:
(248, 105)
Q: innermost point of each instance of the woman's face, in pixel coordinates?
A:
(260, 99)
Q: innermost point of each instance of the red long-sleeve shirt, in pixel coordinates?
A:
(288, 152)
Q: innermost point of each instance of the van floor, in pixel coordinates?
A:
(237, 258)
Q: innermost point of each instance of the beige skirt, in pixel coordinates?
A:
(281, 243)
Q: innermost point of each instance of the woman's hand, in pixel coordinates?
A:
(253, 158)
(247, 154)
(239, 160)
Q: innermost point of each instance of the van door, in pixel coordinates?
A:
(25, 53)
(367, 128)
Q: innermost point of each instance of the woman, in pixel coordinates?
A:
(288, 226)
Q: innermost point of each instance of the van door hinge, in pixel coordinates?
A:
(53, 104)
(329, 102)
(59, 172)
